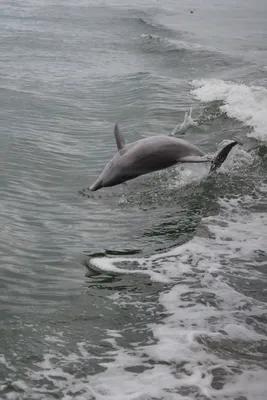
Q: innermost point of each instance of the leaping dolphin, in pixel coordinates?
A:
(150, 155)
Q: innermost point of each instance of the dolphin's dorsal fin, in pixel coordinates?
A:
(119, 138)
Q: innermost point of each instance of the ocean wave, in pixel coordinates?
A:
(208, 318)
(166, 44)
(148, 22)
(209, 341)
(247, 104)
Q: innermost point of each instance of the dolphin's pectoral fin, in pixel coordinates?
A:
(119, 137)
(193, 159)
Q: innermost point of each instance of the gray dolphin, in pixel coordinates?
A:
(149, 155)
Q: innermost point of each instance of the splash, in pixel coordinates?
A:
(187, 123)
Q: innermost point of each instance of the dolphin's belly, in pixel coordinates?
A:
(153, 162)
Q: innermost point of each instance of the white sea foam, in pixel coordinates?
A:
(247, 104)
(204, 326)
(236, 234)
(4, 362)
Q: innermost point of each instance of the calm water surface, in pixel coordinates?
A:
(155, 289)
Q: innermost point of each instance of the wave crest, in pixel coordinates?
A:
(247, 104)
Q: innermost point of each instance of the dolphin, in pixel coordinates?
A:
(152, 154)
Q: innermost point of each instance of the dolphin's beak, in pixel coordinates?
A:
(96, 185)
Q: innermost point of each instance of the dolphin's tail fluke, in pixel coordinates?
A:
(222, 155)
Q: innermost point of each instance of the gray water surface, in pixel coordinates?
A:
(182, 314)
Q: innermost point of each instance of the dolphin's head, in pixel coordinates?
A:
(114, 173)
